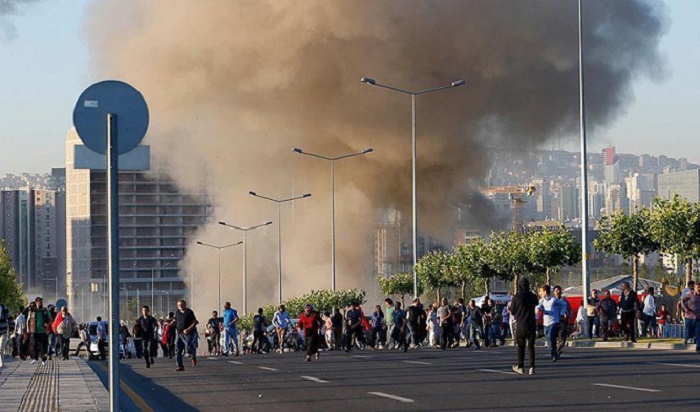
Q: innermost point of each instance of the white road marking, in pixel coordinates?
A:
(236, 362)
(675, 364)
(361, 356)
(632, 388)
(211, 358)
(394, 397)
(497, 371)
(265, 368)
(417, 362)
(311, 378)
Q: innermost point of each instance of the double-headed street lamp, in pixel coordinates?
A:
(279, 231)
(218, 248)
(413, 94)
(332, 160)
(245, 231)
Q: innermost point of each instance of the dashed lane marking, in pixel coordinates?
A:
(361, 356)
(394, 397)
(236, 362)
(675, 364)
(497, 371)
(313, 379)
(632, 388)
(265, 368)
(417, 362)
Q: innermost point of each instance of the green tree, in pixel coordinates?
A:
(400, 284)
(627, 235)
(323, 300)
(434, 271)
(675, 225)
(471, 264)
(552, 249)
(509, 256)
(10, 290)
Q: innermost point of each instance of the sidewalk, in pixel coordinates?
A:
(585, 343)
(58, 385)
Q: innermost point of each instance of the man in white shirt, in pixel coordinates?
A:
(649, 314)
(20, 327)
(552, 310)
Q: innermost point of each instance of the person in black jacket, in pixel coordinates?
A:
(523, 308)
(607, 309)
(628, 312)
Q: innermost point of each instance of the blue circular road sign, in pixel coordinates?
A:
(111, 97)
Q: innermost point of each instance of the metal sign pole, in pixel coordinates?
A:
(113, 258)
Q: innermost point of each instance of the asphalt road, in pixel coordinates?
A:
(457, 379)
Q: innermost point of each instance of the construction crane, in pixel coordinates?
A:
(511, 197)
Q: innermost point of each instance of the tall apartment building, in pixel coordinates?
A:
(596, 200)
(568, 203)
(156, 222)
(541, 204)
(686, 184)
(611, 166)
(641, 190)
(616, 199)
(393, 252)
(33, 229)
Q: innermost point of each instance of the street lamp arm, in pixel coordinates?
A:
(260, 225)
(455, 83)
(265, 197)
(232, 244)
(218, 247)
(312, 154)
(396, 89)
(373, 82)
(305, 195)
(206, 244)
(245, 229)
(370, 150)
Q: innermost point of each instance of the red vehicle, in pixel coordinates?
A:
(575, 302)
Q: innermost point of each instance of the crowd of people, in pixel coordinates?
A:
(37, 333)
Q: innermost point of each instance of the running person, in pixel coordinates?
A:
(38, 321)
(281, 322)
(230, 316)
(310, 321)
(552, 309)
(186, 323)
(148, 333)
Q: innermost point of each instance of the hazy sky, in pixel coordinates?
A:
(44, 66)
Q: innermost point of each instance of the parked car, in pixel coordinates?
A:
(92, 334)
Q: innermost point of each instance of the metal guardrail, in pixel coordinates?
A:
(672, 330)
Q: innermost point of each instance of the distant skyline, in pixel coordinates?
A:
(46, 65)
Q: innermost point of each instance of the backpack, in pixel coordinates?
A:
(167, 333)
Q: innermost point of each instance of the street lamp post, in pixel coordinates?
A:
(585, 280)
(245, 231)
(332, 160)
(218, 248)
(153, 283)
(413, 95)
(279, 231)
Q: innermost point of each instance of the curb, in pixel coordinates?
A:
(619, 345)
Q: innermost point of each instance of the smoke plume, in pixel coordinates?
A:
(234, 86)
(8, 8)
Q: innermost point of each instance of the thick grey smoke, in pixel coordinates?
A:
(234, 86)
(7, 8)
